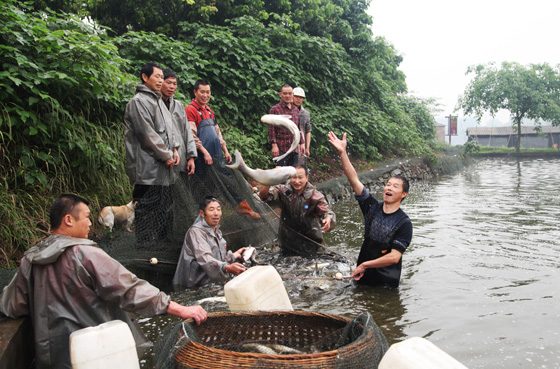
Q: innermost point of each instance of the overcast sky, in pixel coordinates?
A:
(439, 39)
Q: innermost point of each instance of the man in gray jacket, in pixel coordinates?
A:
(66, 283)
(152, 143)
(187, 150)
(204, 257)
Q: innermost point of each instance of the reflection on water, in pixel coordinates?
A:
(480, 279)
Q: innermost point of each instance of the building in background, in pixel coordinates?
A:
(440, 132)
(548, 136)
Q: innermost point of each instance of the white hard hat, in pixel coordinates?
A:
(298, 91)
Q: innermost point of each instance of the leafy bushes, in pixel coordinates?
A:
(65, 83)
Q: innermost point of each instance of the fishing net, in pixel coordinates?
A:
(164, 214)
(295, 339)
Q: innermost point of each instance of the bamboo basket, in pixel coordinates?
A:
(290, 328)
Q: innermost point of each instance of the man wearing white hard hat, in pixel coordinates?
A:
(304, 118)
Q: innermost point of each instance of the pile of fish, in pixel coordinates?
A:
(269, 349)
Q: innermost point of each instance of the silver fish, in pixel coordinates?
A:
(248, 253)
(257, 347)
(269, 177)
(286, 122)
(284, 350)
(212, 299)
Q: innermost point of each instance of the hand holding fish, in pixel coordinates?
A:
(358, 272)
(266, 177)
(239, 253)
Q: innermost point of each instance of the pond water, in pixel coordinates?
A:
(480, 279)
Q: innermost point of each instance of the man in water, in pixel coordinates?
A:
(213, 148)
(388, 230)
(204, 257)
(305, 214)
(304, 118)
(187, 149)
(281, 138)
(67, 283)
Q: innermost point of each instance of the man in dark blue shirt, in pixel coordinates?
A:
(388, 230)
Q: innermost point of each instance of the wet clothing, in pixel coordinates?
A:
(67, 284)
(280, 135)
(301, 215)
(187, 149)
(204, 256)
(383, 233)
(150, 138)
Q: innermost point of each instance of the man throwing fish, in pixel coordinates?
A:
(280, 138)
(388, 230)
(305, 214)
(204, 257)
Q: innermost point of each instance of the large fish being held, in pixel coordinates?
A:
(269, 177)
(286, 122)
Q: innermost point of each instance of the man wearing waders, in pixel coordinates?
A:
(151, 141)
(388, 230)
(212, 148)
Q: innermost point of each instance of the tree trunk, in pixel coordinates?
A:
(518, 143)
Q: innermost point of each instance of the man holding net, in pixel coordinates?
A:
(213, 149)
(67, 283)
(305, 214)
(388, 230)
(204, 257)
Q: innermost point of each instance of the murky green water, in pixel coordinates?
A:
(481, 279)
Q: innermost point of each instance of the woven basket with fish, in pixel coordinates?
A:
(278, 339)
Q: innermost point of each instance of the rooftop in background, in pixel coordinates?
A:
(508, 130)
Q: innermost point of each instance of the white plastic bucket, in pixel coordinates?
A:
(417, 353)
(109, 345)
(258, 288)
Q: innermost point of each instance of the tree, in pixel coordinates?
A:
(531, 92)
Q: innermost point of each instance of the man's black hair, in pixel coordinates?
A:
(285, 86)
(200, 82)
(207, 200)
(148, 69)
(302, 165)
(169, 73)
(63, 205)
(405, 184)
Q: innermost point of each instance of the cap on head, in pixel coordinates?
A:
(298, 91)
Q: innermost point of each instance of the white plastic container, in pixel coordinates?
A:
(109, 345)
(417, 353)
(258, 288)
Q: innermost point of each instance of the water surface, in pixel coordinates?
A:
(480, 279)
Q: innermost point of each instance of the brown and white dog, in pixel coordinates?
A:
(120, 214)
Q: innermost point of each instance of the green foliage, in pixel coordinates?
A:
(531, 92)
(65, 83)
(471, 147)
